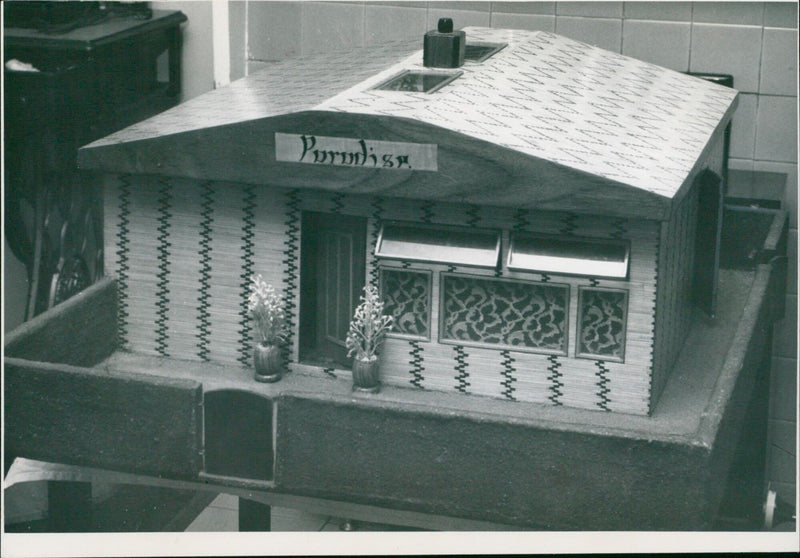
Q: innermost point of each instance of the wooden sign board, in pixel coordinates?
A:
(355, 152)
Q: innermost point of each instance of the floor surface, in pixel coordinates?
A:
(132, 509)
(223, 515)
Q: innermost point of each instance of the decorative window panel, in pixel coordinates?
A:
(406, 297)
(602, 323)
(520, 315)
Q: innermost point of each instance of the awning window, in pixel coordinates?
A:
(439, 244)
(607, 258)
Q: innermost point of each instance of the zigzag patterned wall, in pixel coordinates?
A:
(184, 250)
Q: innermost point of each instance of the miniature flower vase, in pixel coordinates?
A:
(268, 363)
(365, 375)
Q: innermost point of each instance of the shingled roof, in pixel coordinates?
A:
(544, 113)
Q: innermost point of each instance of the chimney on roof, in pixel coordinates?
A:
(443, 47)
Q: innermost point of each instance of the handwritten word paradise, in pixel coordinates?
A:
(354, 152)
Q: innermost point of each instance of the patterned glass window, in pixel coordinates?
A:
(602, 316)
(522, 315)
(407, 297)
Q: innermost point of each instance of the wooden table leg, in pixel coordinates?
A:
(69, 506)
(254, 516)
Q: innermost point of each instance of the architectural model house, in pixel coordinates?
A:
(540, 221)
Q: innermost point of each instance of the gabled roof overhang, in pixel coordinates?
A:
(464, 169)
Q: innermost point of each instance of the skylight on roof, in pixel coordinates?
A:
(418, 82)
(478, 52)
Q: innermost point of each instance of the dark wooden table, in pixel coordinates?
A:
(91, 81)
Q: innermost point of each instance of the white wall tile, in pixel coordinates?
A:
(400, 3)
(590, 9)
(604, 33)
(331, 26)
(237, 21)
(779, 62)
(530, 22)
(274, 30)
(541, 8)
(743, 129)
(776, 129)
(197, 70)
(737, 13)
(462, 6)
(669, 11)
(461, 18)
(780, 14)
(659, 42)
(728, 49)
(740, 164)
(388, 23)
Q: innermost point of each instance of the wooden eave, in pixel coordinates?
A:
(469, 170)
(546, 123)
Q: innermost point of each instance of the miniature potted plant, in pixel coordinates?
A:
(266, 308)
(368, 329)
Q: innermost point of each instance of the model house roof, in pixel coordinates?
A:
(544, 122)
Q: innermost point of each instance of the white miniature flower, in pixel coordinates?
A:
(266, 307)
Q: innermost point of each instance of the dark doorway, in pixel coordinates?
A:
(332, 276)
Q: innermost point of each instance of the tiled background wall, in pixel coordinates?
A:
(756, 42)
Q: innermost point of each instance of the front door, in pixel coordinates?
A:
(334, 253)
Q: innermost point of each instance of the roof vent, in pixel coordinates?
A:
(417, 82)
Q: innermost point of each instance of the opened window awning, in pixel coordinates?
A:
(439, 244)
(607, 258)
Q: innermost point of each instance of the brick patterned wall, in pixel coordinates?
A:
(756, 42)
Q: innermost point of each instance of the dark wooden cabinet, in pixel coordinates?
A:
(91, 81)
